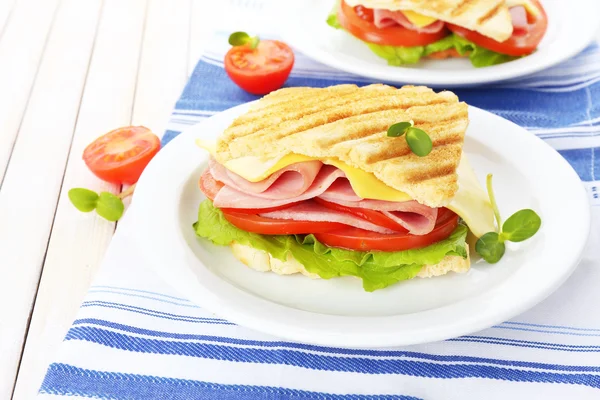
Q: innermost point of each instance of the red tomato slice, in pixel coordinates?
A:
(270, 226)
(359, 22)
(121, 155)
(261, 70)
(376, 217)
(522, 42)
(358, 239)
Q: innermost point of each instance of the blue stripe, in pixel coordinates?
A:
(554, 326)
(144, 297)
(582, 349)
(140, 291)
(67, 380)
(153, 313)
(514, 328)
(290, 354)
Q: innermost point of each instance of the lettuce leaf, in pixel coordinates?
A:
(377, 269)
(397, 55)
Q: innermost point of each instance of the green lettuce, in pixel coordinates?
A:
(397, 55)
(377, 269)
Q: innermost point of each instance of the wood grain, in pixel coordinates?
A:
(34, 176)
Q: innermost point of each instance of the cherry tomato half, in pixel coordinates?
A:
(260, 70)
(121, 155)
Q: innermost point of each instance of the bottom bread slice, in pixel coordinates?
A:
(262, 261)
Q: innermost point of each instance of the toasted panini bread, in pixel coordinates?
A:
(350, 124)
(488, 17)
(262, 261)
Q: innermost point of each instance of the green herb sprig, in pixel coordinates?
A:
(106, 204)
(417, 139)
(520, 226)
(242, 39)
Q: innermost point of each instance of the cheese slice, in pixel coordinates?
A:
(418, 19)
(470, 201)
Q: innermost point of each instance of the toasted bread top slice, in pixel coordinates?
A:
(350, 124)
(488, 17)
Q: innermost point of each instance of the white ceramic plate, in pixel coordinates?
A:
(527, 174)
(571, 27)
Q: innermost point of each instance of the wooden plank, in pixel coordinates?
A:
(33, 179)
(21, 48)
(78, 241)
(201, 26)
(6, 8)
(106, 104)
(164, 63)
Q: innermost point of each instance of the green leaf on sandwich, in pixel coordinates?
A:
(398, 55)
(376, 269)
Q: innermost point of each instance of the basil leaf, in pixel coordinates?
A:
(239, 38)
(398, 129)
(83, 199)
(418, 141)
(521, 225)
(109, 206)
(491, 247)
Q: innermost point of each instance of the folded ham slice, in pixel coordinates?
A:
(228, 197)
(298, 183)
(386, 18)
(417, 218)
(310, 210)
(290, 181)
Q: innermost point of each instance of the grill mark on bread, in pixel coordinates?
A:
(324, 117)
(296, 113)
(461, 8)
(491, 14)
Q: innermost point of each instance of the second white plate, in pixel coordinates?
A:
(571, 27)
(337, 312)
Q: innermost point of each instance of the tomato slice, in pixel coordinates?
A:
(270, 226)
(121, 155)
(361, 240)
(376, 217)
(359, 22)
(522, 42)
(261, 70)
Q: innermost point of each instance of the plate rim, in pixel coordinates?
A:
(250, 316)
(439, 78)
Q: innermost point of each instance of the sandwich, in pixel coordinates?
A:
(309, 181)
(489, 32)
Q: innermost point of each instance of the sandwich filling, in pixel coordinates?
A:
(307, 180)
(403, 32)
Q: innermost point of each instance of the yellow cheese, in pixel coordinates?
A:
(418, 19)
(529, 6)
(470, 201)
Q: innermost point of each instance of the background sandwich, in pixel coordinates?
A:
(310, 181)
(489, 32)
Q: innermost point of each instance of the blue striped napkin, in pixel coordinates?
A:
(136, 338)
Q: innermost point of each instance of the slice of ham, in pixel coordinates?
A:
(291, 181)
(229, 197)
(386, 18)
(312, 211)
(417, 218)
(519, 18)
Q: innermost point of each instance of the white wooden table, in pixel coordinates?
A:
(71, 70)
